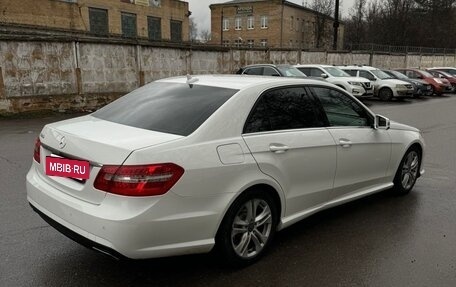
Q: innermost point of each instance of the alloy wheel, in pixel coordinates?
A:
(251, 228)
(410, 170)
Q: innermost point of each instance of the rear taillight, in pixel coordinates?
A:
(36, 151)
(138, 180)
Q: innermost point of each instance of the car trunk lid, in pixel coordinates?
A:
(95, 140)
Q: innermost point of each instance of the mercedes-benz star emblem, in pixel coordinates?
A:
(62, 141)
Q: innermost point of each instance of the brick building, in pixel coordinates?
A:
(152, 19)
(271, 23)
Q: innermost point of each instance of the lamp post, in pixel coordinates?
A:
(336, 24)
(221, 28)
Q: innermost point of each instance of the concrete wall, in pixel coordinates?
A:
(71, 75)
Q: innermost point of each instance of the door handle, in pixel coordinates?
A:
(345, 143)
(278, 148)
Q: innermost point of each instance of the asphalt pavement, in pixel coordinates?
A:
(382, 240)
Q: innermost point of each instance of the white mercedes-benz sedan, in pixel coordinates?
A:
(186, 164)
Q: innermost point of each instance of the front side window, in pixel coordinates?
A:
(352, 73)
(268, 71)
(283, 109)
(367, 75)
(341, 110)
(166, 107)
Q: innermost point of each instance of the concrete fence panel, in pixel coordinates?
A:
(159, 63)
(37, 68)
(108, 68)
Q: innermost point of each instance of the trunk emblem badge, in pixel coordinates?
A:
(62, 141)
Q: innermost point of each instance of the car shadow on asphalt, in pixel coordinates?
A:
(321, 241)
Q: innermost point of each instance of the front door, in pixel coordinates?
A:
(363, 153)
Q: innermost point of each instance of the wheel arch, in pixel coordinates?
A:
(271, 188)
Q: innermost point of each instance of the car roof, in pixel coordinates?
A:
(369, 68)
(315, 65)
(267, 65)
(238, 82)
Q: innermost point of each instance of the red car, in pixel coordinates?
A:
(444, 75)
(439, 85)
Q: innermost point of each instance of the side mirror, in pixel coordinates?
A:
(381, 123)
(324, 76)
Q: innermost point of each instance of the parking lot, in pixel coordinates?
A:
(382, 240)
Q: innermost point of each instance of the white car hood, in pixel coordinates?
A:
(397, 82)
(398, 126)
(353, 79)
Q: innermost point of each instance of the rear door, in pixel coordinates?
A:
(286, 135)
(363, 153)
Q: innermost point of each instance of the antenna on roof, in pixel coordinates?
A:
(191, 80)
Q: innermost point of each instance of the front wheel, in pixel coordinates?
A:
(248, 228)
(385, 94)
(408, 172)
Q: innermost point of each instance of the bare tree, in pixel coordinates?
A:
(324, 9)
(357, 23)
(193, 29)
(205, 35)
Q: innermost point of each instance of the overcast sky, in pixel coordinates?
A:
(202, 14)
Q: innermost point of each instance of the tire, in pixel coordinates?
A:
(242, 238)
(385, 94)
(408, 171)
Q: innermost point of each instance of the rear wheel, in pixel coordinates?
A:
(408, 171)
(248, 228)
(385, 94)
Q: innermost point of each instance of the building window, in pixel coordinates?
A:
(238, 24)
(154, 28)
(226, 43)
(176, 31)
(98, 19)
(250, 43)
(264, 42)
(238, 43)
(291, 43)
(226, 24)
(292, 23)
(129, 25)
(264, 22)
(250, 23)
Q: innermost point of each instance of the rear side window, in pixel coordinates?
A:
(166, 107)
(366, 75)
(283, 109)
(254, 71)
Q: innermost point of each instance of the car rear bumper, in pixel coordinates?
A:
(134, 228)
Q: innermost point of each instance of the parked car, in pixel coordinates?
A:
(449, 70)
(439, 86)
(271, 70)
(171, 171)
(359, 87)
(444, 75)
(385, 86)
(421, 88)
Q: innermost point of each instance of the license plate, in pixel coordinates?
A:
(63, 167)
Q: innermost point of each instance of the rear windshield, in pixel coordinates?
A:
(166, 107)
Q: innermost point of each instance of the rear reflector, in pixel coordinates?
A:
(138, 180)
(36, 151)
